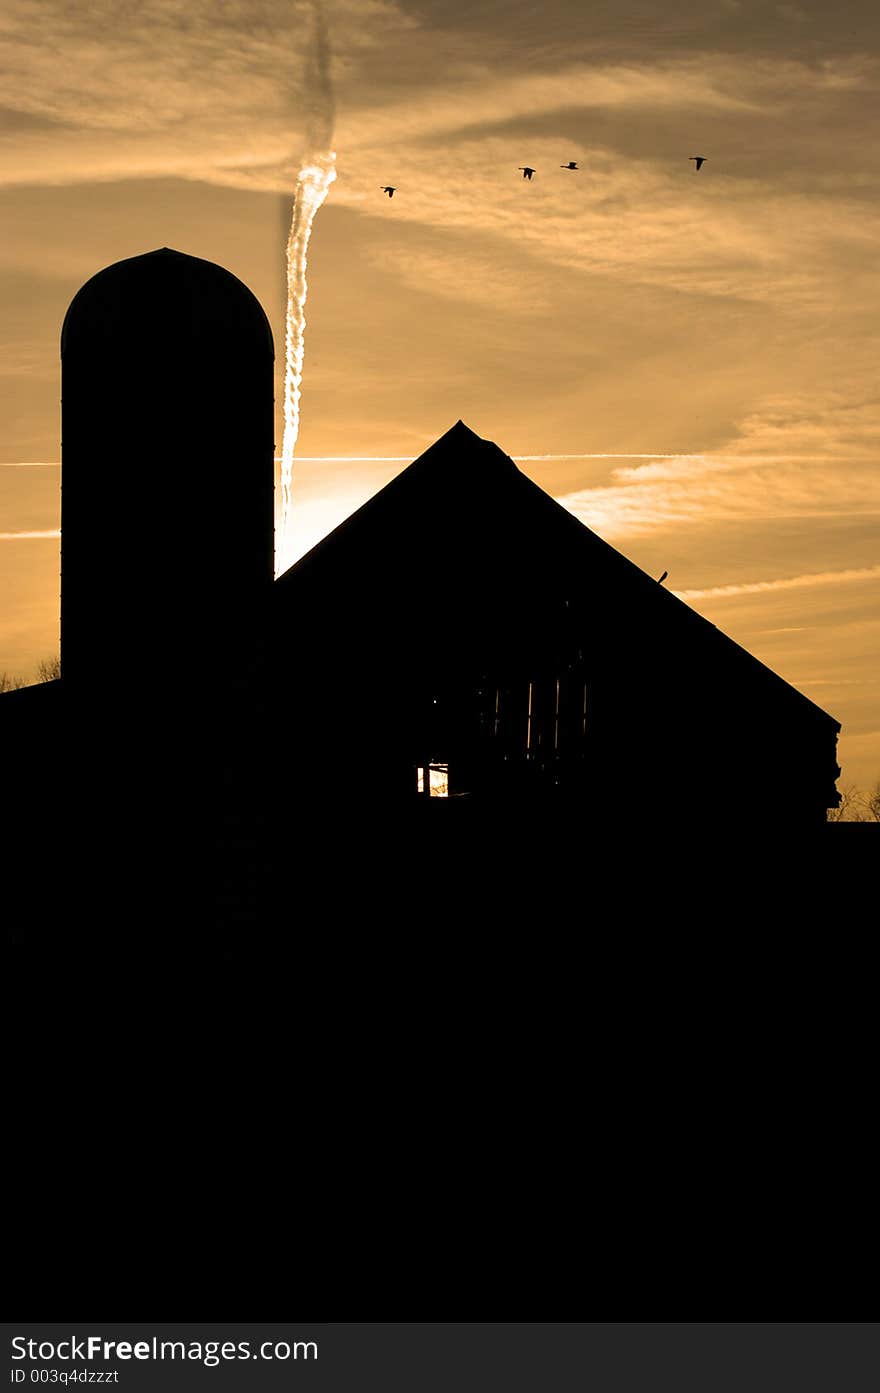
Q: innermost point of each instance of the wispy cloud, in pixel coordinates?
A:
(748, 238)
(222, 94)
(156, 64)
(794, 455)
(760, 587)
(119, 90)
(711, 495)
(479, 98)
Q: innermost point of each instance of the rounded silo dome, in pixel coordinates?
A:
(166, 291)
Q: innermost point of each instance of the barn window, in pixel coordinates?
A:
(437, 780)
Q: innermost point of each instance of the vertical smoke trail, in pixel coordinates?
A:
(312, 186)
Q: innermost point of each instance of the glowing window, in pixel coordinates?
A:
(438, 780)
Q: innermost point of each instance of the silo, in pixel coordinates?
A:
(167, 570)
(167, 472)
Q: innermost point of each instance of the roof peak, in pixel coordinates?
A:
(463, 439)
(459, 434)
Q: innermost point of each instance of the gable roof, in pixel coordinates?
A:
(474, 497)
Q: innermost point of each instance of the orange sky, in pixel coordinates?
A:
(634, 307)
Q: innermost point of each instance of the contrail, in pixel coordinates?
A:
(312, 186)
(700, 455)
(30, 536)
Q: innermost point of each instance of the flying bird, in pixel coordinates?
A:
(572, 164)
(699, 159)
(526, 171)
(390, 189)
(663, 577)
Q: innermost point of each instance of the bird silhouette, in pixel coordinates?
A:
(527, 172)
(663, 577)
(699, 159)
(572, 164)
(390, 189)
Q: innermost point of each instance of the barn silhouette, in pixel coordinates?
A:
(459, 655)
(465, 622)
